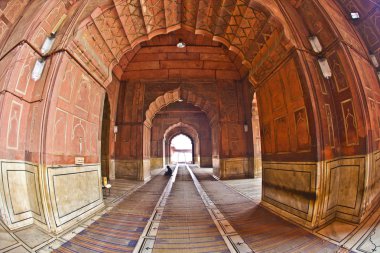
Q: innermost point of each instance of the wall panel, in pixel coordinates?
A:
(344, 188)
(20, 191)
(290, 187)
(75, 193)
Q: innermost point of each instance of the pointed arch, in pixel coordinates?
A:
(189, 131)
(185, 95)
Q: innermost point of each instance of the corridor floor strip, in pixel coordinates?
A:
(186, 225)
(119, 229)
(148, 237)
(233, 240)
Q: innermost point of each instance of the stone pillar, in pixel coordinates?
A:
(234, 159)
(131, 144)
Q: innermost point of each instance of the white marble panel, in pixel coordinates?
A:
(6, 240)
(290, 189)
(75, 193)
(21, 200)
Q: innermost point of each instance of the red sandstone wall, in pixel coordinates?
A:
(130, 121)
(285, 128)
(368, 24)
(345, 139)
(10, 12)
(74, 125)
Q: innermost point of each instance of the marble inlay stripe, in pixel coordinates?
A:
(148, 237)
(233, 240)
(186, 225)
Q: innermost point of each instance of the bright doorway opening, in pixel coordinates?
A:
(256, 139)
(181, 149)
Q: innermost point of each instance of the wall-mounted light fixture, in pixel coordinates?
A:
(38, 68)
(355, 15)
(315, 44)
(374, 61)
(181, 44)
(323, 63)
(325, 68)
(115, 130)
(46, 47)
(245, 127)
(180, 100)
(48, 43)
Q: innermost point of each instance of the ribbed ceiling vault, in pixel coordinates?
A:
(243, 26)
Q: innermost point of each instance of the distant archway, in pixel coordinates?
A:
(191, 133)
(184, 95)
(180, 94)
(181, 149)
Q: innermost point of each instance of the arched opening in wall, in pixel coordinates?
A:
(194, 135)
(256, 138)
(168, 117)
(105, 138)
(264, 57)
(181, 149)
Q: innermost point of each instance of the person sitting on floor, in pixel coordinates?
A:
(169, 171)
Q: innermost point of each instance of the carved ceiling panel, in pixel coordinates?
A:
(112, 31)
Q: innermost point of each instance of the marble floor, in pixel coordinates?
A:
(34, 239)
(192, 203)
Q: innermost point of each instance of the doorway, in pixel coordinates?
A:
(181, 149)
(105, 138)
(256, 139)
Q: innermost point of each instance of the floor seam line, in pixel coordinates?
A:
(233, 240)
(147, 239)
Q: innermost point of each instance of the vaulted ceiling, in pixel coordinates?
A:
(369, 23)
(244, 28)
(202, 58)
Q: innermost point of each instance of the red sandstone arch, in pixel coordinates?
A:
(189, 131)
(301, 68)
(180, 126)
(174, 96)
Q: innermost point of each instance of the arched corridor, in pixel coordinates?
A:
(279, 98)
(190, 211)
